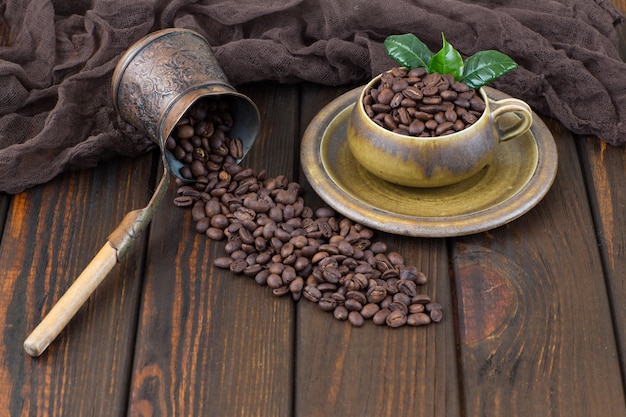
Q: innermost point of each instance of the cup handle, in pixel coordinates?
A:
(500, 108)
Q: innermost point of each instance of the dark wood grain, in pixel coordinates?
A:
(531, 299)
(374, 371)
(52, 233)
(604, 169)
(534, 311)
(210, 343)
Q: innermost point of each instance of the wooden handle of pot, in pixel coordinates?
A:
(67, 306)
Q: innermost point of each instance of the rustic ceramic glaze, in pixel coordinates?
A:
(159, 78)
(436, 161)
(506, 189)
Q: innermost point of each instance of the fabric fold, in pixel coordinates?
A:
(57, 58)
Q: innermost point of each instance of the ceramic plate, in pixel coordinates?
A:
(519, 176)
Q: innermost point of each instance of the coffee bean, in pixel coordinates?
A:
(418, 319)
(459, 87)
(380, 317)
(353, 305)
(312, 293)
(428, 91)
(399, 306)
(448, 95)
(202, 225)
(434, 311)
(378, 247)
(369, 310)
(451, 116)
(219, 221)
(356, 319)
(357, 295)
(431, 125)
(341, 313)
(222, 262)
(396, 100)
(443, 128)
(421, 299)
(462, 102)
(261, 277)
(413, 93)
(385, 96)
(396, 318)
(183, 201)
(327, 287)
(197, 211)
(431, 79)
(399, 104)
(416, 308)
(376, 294)
(185, 131)
(280, 291)
(252, 270)
(238, 266)
(417, 72)
(273, 238)
(327, 304)
(274, 281)
(416, 127)
(407, 287)
(402, 298)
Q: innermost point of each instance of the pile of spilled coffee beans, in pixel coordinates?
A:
(274, 238)
(416, 103)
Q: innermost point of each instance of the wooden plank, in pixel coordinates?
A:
(210, 343)
(372, 370)
(604, 171)
(534, 319)
(52, 233)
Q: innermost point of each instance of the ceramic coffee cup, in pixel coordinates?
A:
(435, 161)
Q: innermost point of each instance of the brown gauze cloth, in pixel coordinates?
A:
(57, 58)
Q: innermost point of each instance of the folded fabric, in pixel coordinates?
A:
(57, 58)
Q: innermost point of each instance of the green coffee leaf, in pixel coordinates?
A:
(447, 61)
(476, 71)
(408, 51)
(485, 66)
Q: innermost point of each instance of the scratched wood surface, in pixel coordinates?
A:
(210, 344)
(535, 311)
(531, 300)
(51, 234)
(604, 172)
(373, 371)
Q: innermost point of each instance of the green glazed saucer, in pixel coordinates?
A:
(519, 176)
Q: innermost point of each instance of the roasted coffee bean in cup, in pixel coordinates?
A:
(274, 238)
(441, 133)
(416, 103)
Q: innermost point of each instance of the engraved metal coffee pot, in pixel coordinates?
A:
(154, 84)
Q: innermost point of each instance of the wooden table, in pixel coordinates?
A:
(534, 311)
